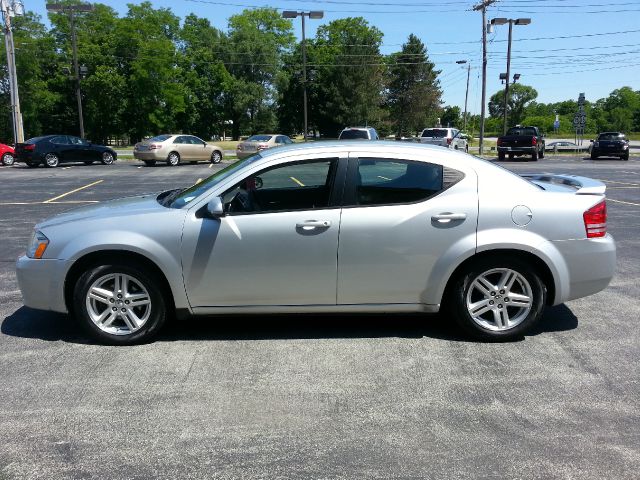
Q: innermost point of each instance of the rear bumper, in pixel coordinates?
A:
(149, 155)
(591, 264)
(41, 283)
(242, 155)
(508, 149)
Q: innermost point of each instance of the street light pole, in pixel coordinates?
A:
(315, 15)
(8, 11)
(71, 9)
(466, 95)
(483, 7)
(510, 21)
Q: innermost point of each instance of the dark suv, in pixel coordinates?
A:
(610, 144)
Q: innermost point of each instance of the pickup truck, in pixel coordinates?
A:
(521, 141)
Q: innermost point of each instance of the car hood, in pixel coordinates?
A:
(113, 208)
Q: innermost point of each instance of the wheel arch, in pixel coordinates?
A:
(538, 263)
(99, 257)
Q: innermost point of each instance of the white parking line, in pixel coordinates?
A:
(620, 201)
(72, 191)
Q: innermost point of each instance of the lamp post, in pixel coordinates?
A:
(510, 21)
(466, 95)
(10, 10)
(316, 15)
(71, 9)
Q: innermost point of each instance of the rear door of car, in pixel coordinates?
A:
(400, 216)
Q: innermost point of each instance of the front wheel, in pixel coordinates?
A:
(8, 159)
(107, 158)
(216, 157)
(624, 157)
(119, 304)
(498, 299)
(593, 157)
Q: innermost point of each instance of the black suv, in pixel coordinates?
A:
(610, 144)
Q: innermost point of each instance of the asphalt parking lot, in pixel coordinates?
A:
(311, 397)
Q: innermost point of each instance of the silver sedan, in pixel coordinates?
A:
(332, 227)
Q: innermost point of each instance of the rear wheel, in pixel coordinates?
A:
(534, 156)
(593, 156)
(119, 304)
(501, 156)
(51, 160)
(498, 299)
(8, 159)
(173, 159)
(541, 154)
(150, 163)
(216, 157)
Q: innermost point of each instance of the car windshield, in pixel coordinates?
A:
(160, 138)
(521, 131)
(434, 133)
(611, 136)
(179, 198)
(353, 134)
(259, 138)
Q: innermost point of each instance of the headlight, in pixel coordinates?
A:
(37, 245)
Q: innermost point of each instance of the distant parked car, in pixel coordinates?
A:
(174, 149)
(358, 133)
(445, 137)
(7, 155)
(51, 150)
(562, 145)
(257, 143)
(610, 144)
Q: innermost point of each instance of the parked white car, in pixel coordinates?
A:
(445, 137)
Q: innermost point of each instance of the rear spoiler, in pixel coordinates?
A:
(583, 185)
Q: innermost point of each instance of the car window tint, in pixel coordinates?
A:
(60, 140)
(259, 138)
(294, 186)
(160, 138)
(179, 140)
(354, 134)
(386, 181)
(434, 133)
(287, 140)
(75, 140)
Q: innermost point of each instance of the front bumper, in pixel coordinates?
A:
(42, 283)
(591, 264)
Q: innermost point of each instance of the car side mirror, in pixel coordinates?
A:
(214, 208)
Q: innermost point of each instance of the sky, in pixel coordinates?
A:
(571, 46)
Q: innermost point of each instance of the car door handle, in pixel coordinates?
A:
(311, 224)
(446, 217)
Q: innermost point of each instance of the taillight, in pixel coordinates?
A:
(31, 146)
(154, 146)
(499, 142)
(262, 146)
(534, 141)
(595, 220)
(449, 141)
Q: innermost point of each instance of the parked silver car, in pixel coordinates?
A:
(328, 227)
(175, 149)
(445, 137)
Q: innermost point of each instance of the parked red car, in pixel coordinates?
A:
(7, 155)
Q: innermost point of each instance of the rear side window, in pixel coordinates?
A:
(389, 181)
(160, 138)
(60, 140)
(259, 138)
(434, 133)
(33, 140)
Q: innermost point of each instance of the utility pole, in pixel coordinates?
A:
(9, 11)
(71, 9)
(466, 95)
(314, 15)
(483, 7)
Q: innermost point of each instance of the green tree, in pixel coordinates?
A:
(413, 92)
(347, 80)
(519, 96)
(451, 117)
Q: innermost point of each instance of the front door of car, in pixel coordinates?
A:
(275, 245)
(64, 148)
(400, 218)
(200, 150)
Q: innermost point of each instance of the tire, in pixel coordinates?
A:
(173, 159)
(109, 318)
(511, 157)
(501, 156)
(594, 157)
(107, 158)
(466, 149)
(8, 159)
(51, 160)
(541, 153)
(471, 294)
(534, 156)
(624, 157)
(216, 157)
(150, 163)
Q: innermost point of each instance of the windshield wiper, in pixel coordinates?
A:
(169, 196)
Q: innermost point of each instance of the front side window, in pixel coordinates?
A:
(293, 186)
(181, 140)
(390, 181)
(259, 138)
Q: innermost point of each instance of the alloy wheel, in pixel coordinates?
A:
(118, 304)
(499, 299)
(107, 158)
(51, 160)
(216, 157)
(8, 159)
(173, 159)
